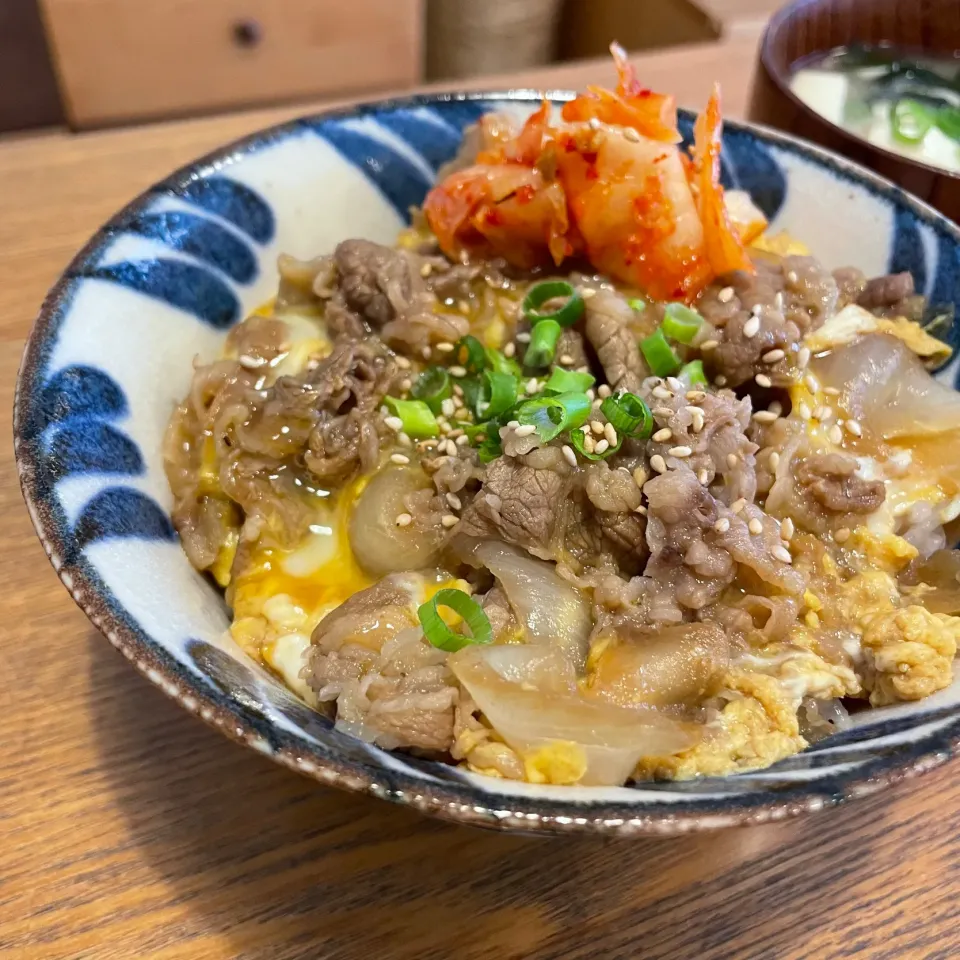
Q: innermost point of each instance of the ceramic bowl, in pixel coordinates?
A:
(165, 279)
(806, 27)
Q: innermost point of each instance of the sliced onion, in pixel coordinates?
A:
(530, 696)
(553, 612)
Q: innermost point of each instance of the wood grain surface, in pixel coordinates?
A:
(130, 830)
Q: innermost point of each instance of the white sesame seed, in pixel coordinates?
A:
(658, 463)
(525, 431)
(698, 420)
(708, 345)
(725, 295)
(773, 356)
(639, 476)
(763, 380)
(662, 436)
(604, 391)
(738, 505)
(449, 520)
(566, 360)
(835, 435)
(394, 423)
(585, 428)
(695, 396)
(569, 454)
(756, 308)
(776, 407)
(588, 443)
(765, 416)
(674, 384)
(791, 276)
(720, 381)
(826, 412)
(462, 440)
(661, 393)
(752, 327)
(463, 306)
(811, 382)
(587, 293)
(403, 363)
(458, 371)
(755, 526)
(399, 458)
(532, 386)
(591, 395)
(426, 269)
(732, 460)
(786, 529)
(782, 554)
(704, 477)
(610, 432)
(602, 446)
(426, 353)
(722, 525)
(406, 384)
(404, 439)
(403, 520)
(522, 337)
(662, 413)
(680, 452)
(593, 123)
(250, 363)
(804, 411)
(774, 460)
(447, 407)
(831, 391)
(853, 426)
(454, 501)
(445, 347)
(842, 535)
(513, 423)
(630, 134)
(803, 357)
(510, 349)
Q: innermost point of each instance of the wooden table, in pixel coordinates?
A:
(130, 830)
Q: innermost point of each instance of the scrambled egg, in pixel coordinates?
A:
(757, 727)
(560, 762)
(910, 654)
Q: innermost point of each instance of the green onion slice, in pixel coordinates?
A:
(693, 374)
(553, 415)
(472, 388)
(491, 448)
(680, 323)
(568, 381)
(543, 344)
(910, 120)
(577, 438)
(501, 363)
(566, 315)
(638, 304)
(433, 386)
(661, 359)
(470, 354)
(948, 120)
(417, 418)
(499, 391)
(442, 636)
(629, 415)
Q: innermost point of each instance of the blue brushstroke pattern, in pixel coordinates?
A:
(90, 446)
(461, 113)
(946, 282)
(182, 285)
(752, 168)
(400, 182)
(121, 513)
(435, 141)
(907, 250)
(81, 391)
(234, 202)
(200, 238)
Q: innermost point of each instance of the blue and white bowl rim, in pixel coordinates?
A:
(470, 799)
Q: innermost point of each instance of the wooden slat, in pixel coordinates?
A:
(120, 60)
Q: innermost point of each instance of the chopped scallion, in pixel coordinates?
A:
(500, 392)
(638, 304)
(470, 354)
(432, 387)
(417, 418)
(501, 363)
(578, 442)
(693, 374)
(680, 323)
(566, 315)
(568, 381)
(444, 637)
(910, 120)
(629, 415)
(553, 415)
(543, 344)
(661, 359)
